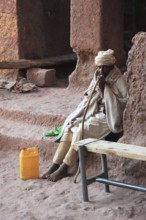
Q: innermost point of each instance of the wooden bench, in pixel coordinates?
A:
(106, 148)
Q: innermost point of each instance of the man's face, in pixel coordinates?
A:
(104, 70)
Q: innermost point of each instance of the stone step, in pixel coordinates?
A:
(46, 147)
(15, 135)
(41, 119)
(47, 107)
(24, 117)
(22, 130)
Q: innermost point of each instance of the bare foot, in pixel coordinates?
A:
(51, 169)
(60, 173)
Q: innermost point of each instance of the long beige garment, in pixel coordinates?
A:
(97, 124)
(115, 98)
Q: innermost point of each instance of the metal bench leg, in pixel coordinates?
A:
(105, 170)
(82, 150)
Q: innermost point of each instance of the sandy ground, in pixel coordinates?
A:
(23, 119)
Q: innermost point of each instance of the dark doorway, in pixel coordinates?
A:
(44, 31)
(134, 20)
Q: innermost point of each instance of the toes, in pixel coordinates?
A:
(49, 178)
(45, 175)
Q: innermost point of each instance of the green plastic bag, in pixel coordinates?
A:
(54, 132)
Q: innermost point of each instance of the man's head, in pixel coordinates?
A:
(105, 61)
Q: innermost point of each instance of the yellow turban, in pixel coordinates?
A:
(105, 58)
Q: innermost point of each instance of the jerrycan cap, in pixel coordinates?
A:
(23, 148)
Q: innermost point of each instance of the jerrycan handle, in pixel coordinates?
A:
(32, 150)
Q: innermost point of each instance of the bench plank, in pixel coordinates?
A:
(113, 148)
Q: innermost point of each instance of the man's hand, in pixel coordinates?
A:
(101, 83)
(101, 74)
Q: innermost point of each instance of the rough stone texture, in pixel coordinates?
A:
(83, 73)
(95, 27)
(135, 113)
(85, 25)
(41, 77)
(8, 6)
(9, 35)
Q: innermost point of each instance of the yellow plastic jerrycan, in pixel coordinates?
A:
(29, 163)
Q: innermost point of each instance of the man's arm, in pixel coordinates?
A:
(115, 102)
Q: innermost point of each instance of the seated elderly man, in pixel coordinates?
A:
(104, 114)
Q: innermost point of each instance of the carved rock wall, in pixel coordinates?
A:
(135, 113)
(33, 29)
(9, 35)
(95, 27)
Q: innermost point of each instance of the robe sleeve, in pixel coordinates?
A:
(115, 102)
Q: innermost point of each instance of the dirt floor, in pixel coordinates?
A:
(24, 118)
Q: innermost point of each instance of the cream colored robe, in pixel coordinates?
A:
(99, 125)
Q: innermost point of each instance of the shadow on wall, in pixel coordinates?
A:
(44, 30)
(135, 20)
